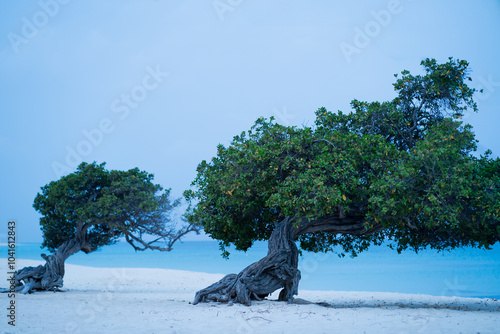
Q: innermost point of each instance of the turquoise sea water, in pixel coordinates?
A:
(463, 272)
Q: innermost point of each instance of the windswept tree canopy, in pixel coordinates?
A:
(97, 207)
(401, 170)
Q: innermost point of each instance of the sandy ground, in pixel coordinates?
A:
(132, 300)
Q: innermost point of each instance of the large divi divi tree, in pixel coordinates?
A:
(401, 172)
(94, 207)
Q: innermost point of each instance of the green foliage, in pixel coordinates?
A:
(405, 165)
(422, 102)
(100, 206)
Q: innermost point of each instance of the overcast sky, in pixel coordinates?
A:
(158, 84)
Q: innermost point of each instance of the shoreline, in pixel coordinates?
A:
(148, 300)
(466, 273)
(85, 278)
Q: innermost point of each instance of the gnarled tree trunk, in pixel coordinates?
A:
(278, 269)
(50, 275)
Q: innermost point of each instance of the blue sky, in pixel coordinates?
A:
(158, 84)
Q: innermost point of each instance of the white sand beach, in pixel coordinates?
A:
(134, 300)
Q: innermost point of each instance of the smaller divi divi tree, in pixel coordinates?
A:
(94, 207)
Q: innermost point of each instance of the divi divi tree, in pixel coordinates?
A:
(401, 172)
(94, 207)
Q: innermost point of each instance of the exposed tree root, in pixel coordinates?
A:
(50, 275)
(278, 269)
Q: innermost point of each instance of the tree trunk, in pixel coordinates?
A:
(49, 276)
(278, 269)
